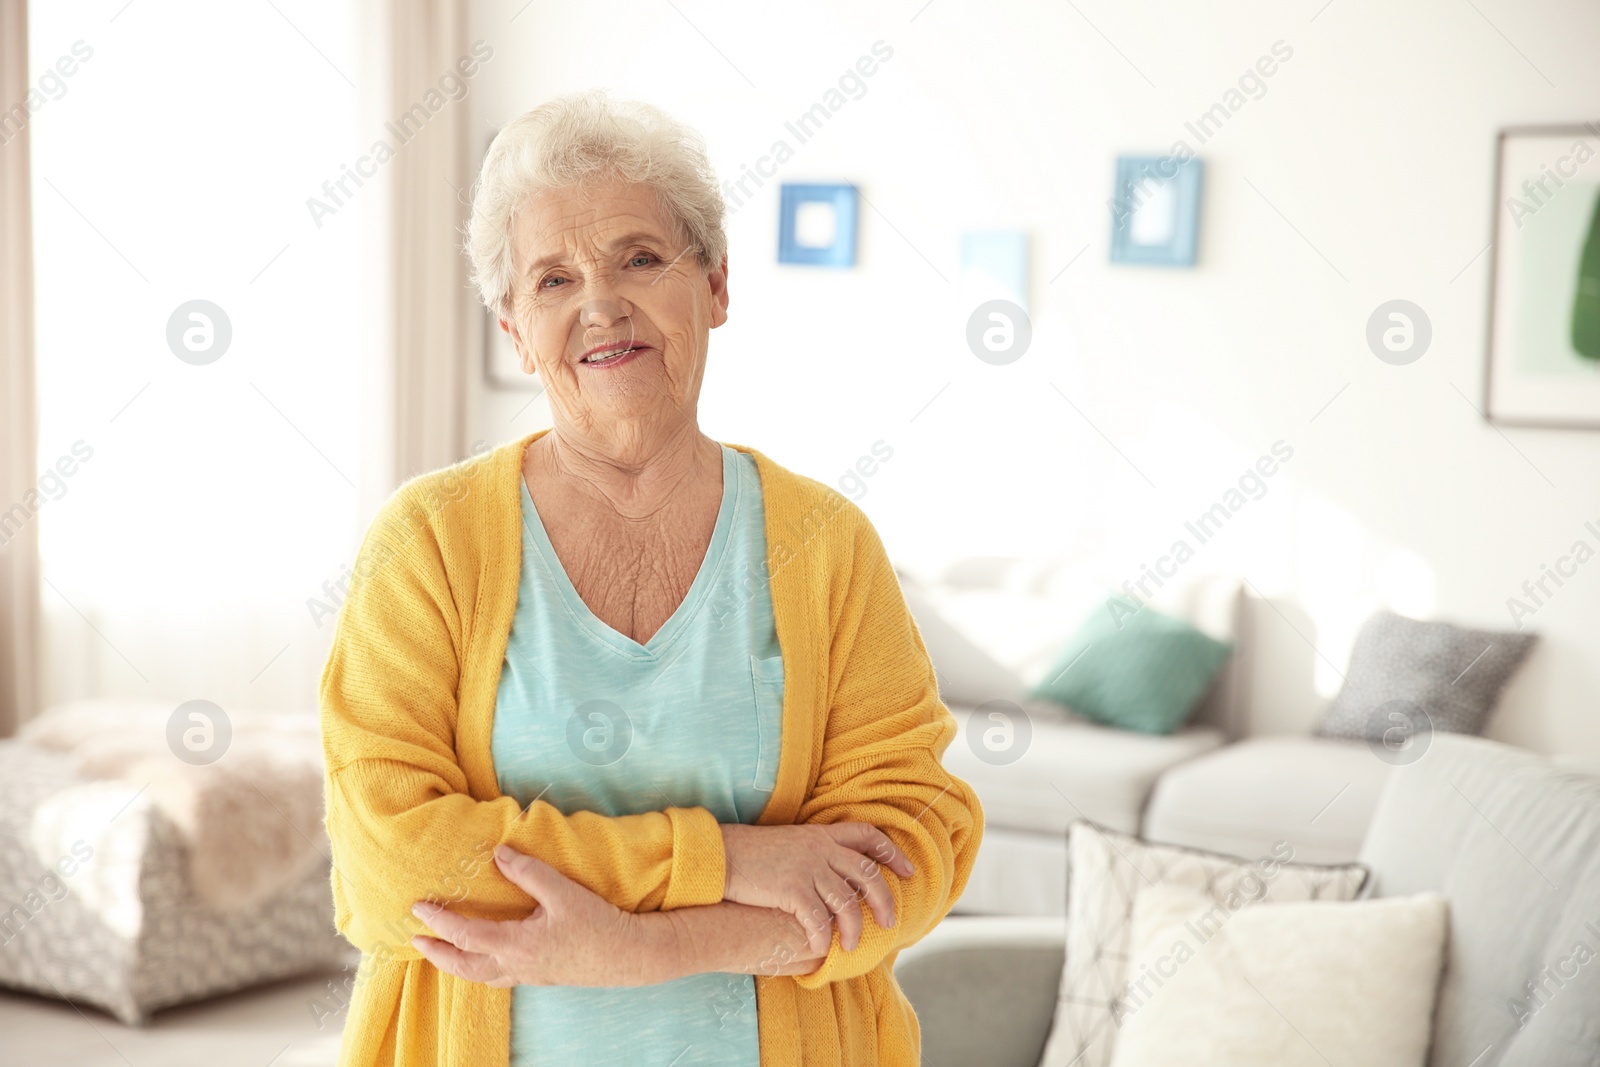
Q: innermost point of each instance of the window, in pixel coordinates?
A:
(197, 345)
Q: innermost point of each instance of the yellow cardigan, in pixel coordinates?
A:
(414, 809)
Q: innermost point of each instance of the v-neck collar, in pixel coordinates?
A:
(705, 576)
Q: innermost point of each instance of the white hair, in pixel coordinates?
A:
(571, 140)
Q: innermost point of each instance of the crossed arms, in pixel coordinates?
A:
(404, 827)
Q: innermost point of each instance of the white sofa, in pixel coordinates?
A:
(1071, 770)
(995, 625)
(1511, 838)
(1317, 794)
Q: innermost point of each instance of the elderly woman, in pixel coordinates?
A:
(633, 748)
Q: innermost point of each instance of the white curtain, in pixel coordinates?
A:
(19, 545)
(437, 334)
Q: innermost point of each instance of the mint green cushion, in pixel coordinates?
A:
(1134, 668)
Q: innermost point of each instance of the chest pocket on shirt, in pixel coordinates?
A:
(767, 677)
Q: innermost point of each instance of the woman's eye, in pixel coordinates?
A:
(641, 260)
(551, 283)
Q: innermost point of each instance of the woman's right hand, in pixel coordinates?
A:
(815, 872)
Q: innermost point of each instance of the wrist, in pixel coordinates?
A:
(727, 859)
(666, 949)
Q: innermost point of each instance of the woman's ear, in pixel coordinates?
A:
(523, 355)
(718, 280)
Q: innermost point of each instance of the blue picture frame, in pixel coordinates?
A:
(1168, 187)
(994, 265)
(793, 198)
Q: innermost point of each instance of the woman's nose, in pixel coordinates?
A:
(602, 312)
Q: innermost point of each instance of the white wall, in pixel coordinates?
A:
(1362, 174)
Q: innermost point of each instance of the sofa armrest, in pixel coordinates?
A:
(984, 988)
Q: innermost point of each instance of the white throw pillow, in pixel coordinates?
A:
(1105, 872)
(1281, 985)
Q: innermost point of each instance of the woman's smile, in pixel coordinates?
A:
(615, 354)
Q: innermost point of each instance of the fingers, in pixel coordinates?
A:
(866, 882)
(817, 919)
(798, 965)
(472, 966)
(466, 948)
(872, 843)
(473, 936)
(840, 899)
(532, 875)
(838, 894)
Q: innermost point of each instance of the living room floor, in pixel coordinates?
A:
(270, 1026)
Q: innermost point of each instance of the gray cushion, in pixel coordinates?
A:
(984, 990)
(1316, 793)
(1514, 841)
(1399, 665)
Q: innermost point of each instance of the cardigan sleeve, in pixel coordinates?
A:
(401, 821)
(886, 732)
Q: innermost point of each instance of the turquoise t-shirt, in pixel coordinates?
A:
(589, 719)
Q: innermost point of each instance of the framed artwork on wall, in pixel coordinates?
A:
(1543, 360)
(1155, 211)
(994, 266)
(817, 224)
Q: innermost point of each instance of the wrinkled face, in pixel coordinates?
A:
(611, 308)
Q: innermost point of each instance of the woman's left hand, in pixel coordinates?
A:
(573, 937)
